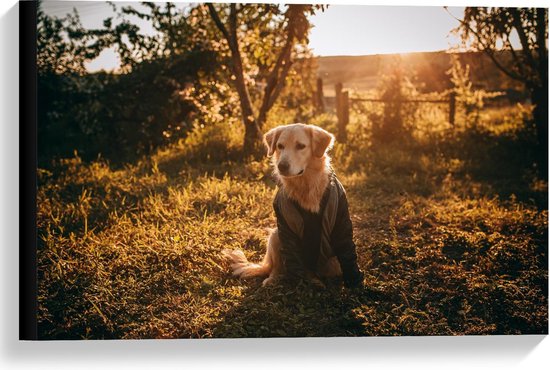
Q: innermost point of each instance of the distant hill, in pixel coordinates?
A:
(428, 69)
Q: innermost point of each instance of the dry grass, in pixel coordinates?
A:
(450, 244)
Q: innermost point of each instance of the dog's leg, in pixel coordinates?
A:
(244, 269)
(332, 268)
(273, 257)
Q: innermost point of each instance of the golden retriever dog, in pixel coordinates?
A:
(310, 241)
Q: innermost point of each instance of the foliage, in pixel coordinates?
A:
(169, 82)
(470, 99)
(56, 52)
(273, 39)
(119, 116)
(490, 30)
(98, 114)
(394, 90)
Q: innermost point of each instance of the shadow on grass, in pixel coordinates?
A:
(292, 311)
(480, 161)
(505, 164)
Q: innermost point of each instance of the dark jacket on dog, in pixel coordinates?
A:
(309, 239)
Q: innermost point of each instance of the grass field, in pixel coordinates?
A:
(451, 231)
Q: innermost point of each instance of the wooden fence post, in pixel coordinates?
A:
(345, 117)
(342, 111)
(339, 100)
(452, 107)
(319, 98)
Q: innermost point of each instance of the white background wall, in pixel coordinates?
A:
(341, 353)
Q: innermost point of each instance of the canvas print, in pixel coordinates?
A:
(231, 170)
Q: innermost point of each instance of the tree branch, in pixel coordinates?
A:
(489, 51)
(280, 84)
(516, 20)
(518, 62)
(275, 77)
(236, 61)
(542, 33)
(507, 72)
(233, 20)
(218, 21)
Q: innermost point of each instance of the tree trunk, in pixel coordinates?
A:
(252, 138)
(252, 133)
(275, 81)
(539, 96)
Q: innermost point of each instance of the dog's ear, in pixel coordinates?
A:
(321, 141)
(270, 140)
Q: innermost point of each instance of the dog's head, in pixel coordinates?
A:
(295, 146)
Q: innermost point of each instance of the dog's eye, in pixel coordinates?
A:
(280, 146)
(300, 146)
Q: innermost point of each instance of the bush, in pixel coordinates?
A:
(120, 117)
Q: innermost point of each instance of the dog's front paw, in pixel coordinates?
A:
(355, 282)
(316, 282)
(270, 281)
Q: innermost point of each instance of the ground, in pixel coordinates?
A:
(451, 232)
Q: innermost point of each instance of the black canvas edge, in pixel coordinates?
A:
(27, 171)
(28, 305)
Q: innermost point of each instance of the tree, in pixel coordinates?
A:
(286, 32)
(56, 53)
(121, 115)
(188, 62)
(470, 98)
(491, 30)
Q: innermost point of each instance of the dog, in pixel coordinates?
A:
(313, 238)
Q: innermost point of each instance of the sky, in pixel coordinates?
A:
(339, 30)
(361, 29)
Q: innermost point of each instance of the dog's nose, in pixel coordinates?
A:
(283, 167)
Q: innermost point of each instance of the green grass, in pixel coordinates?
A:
(451, 232)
